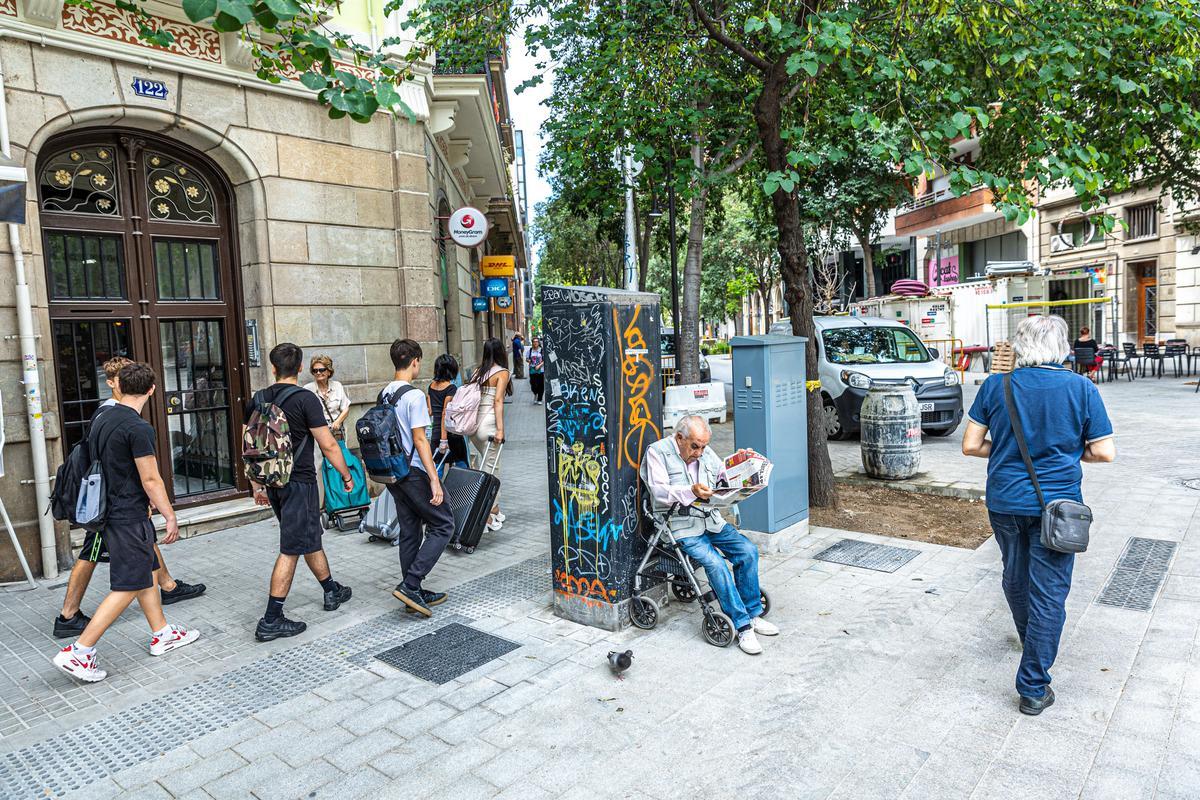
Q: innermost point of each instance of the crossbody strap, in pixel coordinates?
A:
(1014, 420)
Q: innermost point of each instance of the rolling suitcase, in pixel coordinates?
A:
(471, 493)
(380, 523)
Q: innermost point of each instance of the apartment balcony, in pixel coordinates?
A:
(939, 209)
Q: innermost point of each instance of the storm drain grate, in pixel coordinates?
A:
(868, 555)
(1139, 574)
(449, 652)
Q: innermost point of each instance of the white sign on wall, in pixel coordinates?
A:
(468, 227)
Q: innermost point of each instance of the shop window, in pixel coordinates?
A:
(1142, 221)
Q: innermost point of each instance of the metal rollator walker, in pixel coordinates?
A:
(666, 561)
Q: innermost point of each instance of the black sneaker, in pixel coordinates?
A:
(431, 599)
(279, 629)
(336, 597)
(68, 628)
(182, 591)
(1036, 705)
(413, 598)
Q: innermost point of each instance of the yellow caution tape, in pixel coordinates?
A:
(812, 386)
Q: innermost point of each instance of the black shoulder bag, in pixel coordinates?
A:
(1066, 525)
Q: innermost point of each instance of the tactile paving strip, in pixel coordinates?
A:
(91, 752)
(868, 555)
(1138, 575)
(449, 652)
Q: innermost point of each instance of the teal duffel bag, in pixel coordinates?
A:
(342, 508)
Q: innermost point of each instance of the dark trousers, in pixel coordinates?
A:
(537, 384)
(419, 551)
(1036, 582)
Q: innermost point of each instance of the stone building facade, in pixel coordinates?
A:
(184, 213)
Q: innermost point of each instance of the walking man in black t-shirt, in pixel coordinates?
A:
(124, 442)
(72, 620)
(297, 504)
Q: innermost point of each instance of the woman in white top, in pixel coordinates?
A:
(493, 379)
(336, 404)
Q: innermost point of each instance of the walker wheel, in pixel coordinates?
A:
(470, 550)
(718, 628)
(326, 521)
(766, 602)
(643, 612)
(683, 592)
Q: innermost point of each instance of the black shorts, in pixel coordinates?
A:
(297, 506)
(95, 548)
(131, 558)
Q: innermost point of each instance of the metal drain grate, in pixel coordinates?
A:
(447, 653)
(868, 555)
(1139, 574)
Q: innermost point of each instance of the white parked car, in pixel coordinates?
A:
(856, 352)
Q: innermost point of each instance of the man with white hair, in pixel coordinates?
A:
(1063, 422)
(683, 470)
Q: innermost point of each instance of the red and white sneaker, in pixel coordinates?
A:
(79, 666)
(175, 637)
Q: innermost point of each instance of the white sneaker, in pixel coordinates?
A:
(764, 628)
(749, 643)
(176, 637)
(79, 666)
(499, 517)
(494, 526)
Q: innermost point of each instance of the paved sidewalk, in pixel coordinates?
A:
(887, 685)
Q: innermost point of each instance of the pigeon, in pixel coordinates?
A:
(619, 662)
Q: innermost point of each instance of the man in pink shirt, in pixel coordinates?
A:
(681, 471)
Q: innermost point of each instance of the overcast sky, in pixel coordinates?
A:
(528, 115)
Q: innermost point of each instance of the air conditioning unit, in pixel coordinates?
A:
(1060, 243)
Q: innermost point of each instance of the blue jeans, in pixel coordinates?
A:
(1036, 582)
(738, 591)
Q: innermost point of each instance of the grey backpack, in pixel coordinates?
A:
(1066, 524)
(91, 504)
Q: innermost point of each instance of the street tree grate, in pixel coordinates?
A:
(1138, 575)
(867, 555)
(448, 653)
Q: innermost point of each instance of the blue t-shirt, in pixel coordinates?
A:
(1060, 412)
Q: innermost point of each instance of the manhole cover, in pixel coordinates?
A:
(879, 557)
(449, 652)
(1138, 575)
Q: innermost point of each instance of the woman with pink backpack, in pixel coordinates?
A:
(476, 410)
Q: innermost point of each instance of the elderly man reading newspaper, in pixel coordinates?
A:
(682, 470)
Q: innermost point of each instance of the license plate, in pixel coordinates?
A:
(926, 407)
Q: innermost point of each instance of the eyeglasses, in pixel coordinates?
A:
(319, 370)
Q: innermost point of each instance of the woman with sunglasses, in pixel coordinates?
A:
(334, 401)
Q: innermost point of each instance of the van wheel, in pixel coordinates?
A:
(833, 423)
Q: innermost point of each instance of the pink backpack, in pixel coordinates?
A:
(461, 413)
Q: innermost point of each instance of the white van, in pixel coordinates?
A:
(855, 352)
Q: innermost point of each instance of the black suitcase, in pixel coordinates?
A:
(471, 494)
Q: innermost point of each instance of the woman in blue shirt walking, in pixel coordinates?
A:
(1065, 424)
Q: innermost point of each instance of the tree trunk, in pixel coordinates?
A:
(687, 341)
(868, 261)
(793, 269)
(643, 228)
(764, 291)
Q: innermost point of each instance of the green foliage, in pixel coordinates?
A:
(715, 348)
(574, 250)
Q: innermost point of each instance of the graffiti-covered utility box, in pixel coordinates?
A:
(771, 407)
(603, 409)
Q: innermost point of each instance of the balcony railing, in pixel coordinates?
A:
(931, 198)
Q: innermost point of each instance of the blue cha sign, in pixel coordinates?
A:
(495, 287)
(479, 304)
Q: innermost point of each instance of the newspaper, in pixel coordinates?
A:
(746, 473)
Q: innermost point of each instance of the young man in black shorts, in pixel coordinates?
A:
(297, 505)
(125, 444)
(419, 499)
(72, 620)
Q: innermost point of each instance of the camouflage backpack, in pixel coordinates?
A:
(267, 442)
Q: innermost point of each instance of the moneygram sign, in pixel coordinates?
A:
(468, 227)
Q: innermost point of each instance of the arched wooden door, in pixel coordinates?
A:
(137, 237)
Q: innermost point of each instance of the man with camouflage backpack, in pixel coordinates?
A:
(281, 422)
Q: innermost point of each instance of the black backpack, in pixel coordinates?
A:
(80, 469)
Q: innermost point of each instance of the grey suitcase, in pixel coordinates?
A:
(379, 523)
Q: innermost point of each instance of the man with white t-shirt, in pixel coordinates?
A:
(418, 496)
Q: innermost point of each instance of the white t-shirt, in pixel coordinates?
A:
(411, 412)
